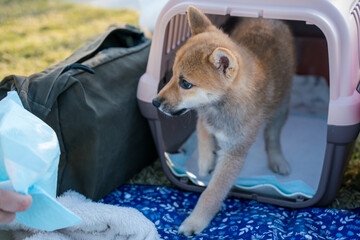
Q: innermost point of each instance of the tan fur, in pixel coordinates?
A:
(238, 84)
(206, 146)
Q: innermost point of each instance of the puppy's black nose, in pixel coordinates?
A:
(156, 102)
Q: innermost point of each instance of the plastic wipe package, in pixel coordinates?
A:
(29, 158)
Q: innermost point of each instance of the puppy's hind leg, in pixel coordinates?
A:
(206, 148)
(276, 159)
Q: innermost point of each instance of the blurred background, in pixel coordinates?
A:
(39, 33)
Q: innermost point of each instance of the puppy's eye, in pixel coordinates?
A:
(184, 84)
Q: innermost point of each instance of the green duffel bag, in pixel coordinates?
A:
(89, 99)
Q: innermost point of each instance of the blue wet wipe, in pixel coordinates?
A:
(29, 158)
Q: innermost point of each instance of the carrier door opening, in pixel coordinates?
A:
(303, 136)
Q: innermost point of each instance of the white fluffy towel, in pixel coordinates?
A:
(100, 222)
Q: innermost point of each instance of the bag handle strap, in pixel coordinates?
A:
(39, 99)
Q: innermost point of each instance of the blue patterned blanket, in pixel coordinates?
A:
(238, 219)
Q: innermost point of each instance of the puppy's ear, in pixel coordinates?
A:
(225, 62)
(198, 21)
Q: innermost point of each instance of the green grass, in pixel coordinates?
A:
(39, 33)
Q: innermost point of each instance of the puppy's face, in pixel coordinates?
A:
(202, 70)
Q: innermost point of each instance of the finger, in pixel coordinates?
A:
(6, 217)
(14, 202)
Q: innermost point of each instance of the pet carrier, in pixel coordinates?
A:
(324, 118)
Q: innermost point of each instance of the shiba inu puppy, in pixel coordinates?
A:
(236, 84)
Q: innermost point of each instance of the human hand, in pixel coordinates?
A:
(11, 203)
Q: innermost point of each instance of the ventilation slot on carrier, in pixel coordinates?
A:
(179, 31)
(356, 14)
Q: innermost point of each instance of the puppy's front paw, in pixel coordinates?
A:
(192, 226)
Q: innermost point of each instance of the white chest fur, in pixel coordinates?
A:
(217, 133)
